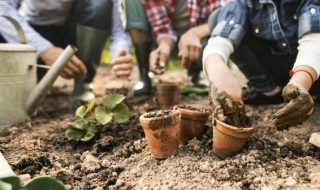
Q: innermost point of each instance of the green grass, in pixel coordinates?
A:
(173, 64)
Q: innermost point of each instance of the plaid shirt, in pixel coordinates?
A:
(158, 12)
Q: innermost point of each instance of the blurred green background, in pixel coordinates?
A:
(173, 64)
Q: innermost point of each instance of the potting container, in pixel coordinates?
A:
(167, 94)
(229, 140)
(162, 133)
(192, 123)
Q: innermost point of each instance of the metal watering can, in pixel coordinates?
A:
(19, 92)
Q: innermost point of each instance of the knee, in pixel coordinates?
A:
(213, 19)
(100, 7)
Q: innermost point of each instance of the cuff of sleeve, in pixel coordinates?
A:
(172, 36)
(40, 46)
(308, 55)
(116, 47)
(217, 45)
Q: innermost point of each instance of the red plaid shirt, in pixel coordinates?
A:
(158, 11)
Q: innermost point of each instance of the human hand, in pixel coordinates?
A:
(73, 69)
(189, 48)
(159, 57)
(225, 108)
(298, 109)
(122, 64)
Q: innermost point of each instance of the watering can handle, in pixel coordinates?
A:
(17, 26)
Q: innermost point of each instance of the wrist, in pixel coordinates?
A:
(303, 76)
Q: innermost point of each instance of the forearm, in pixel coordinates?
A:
(159, 19)
(307, 62)
(166, 43)
(9, 32)
(303, 76)
(201, 31)
(119, 40)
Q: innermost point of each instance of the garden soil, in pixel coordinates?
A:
(119, 157)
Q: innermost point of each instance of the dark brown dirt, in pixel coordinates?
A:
(154, 114)
(188, 107)
(119, 157)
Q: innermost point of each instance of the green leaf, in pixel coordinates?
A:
(112, 100)
(5, 186)
(44, 183)
(102, 115)
(81, 111)
(121, 113)
(14, 182)
(74, 134)
(79, 124)
(88, 136)
(90, 105)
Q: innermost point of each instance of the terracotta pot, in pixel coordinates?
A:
(192, 123)
(167, 94)
(229, 140)
(162, 133)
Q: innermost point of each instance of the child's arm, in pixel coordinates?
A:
(305, 71)
(215, 58)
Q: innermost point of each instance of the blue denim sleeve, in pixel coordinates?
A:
(232, 22)
(309, 17)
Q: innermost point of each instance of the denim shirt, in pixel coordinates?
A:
(282, 22)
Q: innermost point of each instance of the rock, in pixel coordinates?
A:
(90, 163)
(205, 167)
(64, 175)
(105, 163)
(315, 139)
(315, 178)
(290, 182)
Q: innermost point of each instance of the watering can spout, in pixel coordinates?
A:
(39, 92)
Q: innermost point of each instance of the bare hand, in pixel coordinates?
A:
(298, 109)
(158, 61)
(159, 57)
(189, 48)
(122, 64)
(73, 69)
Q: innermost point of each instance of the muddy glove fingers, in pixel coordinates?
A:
(298, 109)
(217, 109)
(289, 123)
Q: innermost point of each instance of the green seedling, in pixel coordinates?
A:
(10, 181)
(37, 183)
(88, 122)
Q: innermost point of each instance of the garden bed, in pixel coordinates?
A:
(119, 158)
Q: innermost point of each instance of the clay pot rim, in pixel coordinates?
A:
(173, 113)
(189, 114)
(232, 130)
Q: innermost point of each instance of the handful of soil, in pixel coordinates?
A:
(228, 110)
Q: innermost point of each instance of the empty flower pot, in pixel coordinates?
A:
(229, 140)
(192, 123)
(162, 131)
(167, 93)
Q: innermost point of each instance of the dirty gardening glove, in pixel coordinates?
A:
(226, 109)
(298, 109)
(217, 108)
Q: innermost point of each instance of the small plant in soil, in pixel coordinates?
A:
(88, 122)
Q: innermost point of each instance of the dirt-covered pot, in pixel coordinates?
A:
(167, 94)
(192, 123)
(162, 131)
(229, 140)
